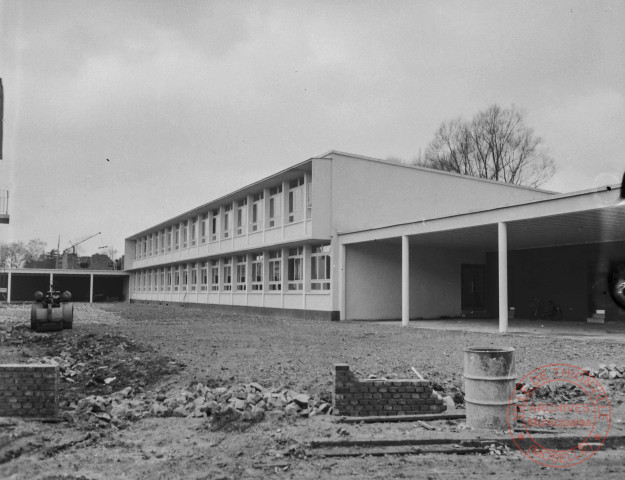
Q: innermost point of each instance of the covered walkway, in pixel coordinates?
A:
(560, 250)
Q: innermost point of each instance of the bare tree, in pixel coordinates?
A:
(496, 145)
(16, 254)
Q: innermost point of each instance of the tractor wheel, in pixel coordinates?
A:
(68, 315)
(33, 316)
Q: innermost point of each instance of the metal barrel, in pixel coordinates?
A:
(489, 381)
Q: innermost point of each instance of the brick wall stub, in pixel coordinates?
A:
(29, 390)
(372, 397)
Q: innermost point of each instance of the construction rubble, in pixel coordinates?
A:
(250, 402)
(612, 377)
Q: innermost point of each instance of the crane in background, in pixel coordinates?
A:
(73, 246)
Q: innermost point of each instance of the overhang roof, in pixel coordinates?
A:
(60, 271)
(590, 216)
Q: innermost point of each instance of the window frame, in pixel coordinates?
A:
(295, 267)
(204, 276)
(241, 271)
(226, 270)
(214, 275)
(274, 278)
(257, 261)
(320, 255)
(274, 215)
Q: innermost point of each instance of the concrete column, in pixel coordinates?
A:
(503, 276)
(405, 280)
(91, 288)
(9, 287)
(342, 282)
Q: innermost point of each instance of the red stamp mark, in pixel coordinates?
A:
(559, 416)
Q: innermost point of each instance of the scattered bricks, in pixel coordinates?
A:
(29, 390)
(381, 397)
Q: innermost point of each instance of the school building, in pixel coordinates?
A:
(347, 237)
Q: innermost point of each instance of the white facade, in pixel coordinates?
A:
(275, 244)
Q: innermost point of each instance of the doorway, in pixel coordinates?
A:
(473, 289)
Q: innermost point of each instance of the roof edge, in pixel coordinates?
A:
(440, 172)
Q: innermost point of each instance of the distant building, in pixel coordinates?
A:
(343, 236)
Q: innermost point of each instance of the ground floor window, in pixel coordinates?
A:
(227, 274)
(241, 263)
(193, 277)
(296, 268)
(215, 275)
(257, 271)
(275, 270)
(184, 274)
(204, 277)
(306, 269)
(176, 270)
(320, 267)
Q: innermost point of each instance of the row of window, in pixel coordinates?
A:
(265, 270)
(238, 218)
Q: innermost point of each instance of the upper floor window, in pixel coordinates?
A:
(193, 232)
(241, 216)
(176, 237)
(275, 207)
(169, 239)
(226, 220)
(184, 228)
(161, 282)
(257, 212)
(214, 233)
(161, 235)
(296, 200)
(320, 267)
(204, 228)
(296, 268)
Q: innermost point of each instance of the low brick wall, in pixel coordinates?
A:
(363, 398)
(29, 390)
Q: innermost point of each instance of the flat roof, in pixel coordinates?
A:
(588, 216)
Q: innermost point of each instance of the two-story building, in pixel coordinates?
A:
(343, 236)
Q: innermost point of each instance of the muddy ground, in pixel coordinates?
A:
(155, 350)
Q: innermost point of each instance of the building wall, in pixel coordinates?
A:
(373, 281)
(367, 194)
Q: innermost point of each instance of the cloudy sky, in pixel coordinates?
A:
(119, 115)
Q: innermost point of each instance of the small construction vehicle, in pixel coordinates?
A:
(52, 311)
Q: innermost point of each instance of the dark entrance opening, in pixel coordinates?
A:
(108, 289)
(473, 289)
(78, 285)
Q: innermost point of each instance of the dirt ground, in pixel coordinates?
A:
(155, 350)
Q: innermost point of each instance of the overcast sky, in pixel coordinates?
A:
(120, 115)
